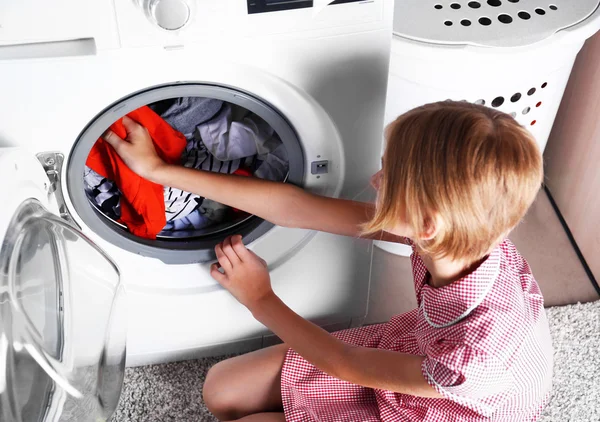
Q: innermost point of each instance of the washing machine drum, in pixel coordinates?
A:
(62, 325)
(225, 131)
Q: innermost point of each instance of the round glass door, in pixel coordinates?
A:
(62, 323)
(224, 130)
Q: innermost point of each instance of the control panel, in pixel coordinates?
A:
(180, 23)
(262, 6)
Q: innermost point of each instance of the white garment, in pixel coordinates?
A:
(273, 166)
(236, 133)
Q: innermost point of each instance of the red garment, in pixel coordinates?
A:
(142, 202)
(486, 346)
(242, 172)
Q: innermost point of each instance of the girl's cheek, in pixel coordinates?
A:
(376, 180)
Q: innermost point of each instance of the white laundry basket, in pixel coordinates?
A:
(513, 55)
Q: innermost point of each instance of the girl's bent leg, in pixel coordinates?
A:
(246, 384)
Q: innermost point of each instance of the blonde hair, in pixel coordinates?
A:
(472, 168)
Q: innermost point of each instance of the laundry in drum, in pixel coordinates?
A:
(195, 132)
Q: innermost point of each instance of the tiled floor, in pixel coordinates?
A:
(541, 240)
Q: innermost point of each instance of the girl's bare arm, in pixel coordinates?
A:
(279, 203)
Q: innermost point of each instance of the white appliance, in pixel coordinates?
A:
(510, 55)
(315, 71)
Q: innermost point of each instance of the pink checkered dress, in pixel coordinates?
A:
(486, 345)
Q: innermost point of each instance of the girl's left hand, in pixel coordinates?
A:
(244, 274)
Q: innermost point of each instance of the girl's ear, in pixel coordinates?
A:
(432, 227)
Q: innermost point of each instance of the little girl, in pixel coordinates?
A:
(456, 179)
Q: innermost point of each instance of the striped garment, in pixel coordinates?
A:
(103, 193)
(179, 203)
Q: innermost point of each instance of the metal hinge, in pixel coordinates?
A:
(52, 163)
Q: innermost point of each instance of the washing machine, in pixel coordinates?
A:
(316, 72)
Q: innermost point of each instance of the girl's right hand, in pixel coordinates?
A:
(137, 149)
(245, 275)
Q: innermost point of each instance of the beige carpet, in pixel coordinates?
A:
(173, 392)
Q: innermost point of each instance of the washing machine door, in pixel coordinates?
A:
(62, 327)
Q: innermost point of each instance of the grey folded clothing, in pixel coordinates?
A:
(184, 114)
